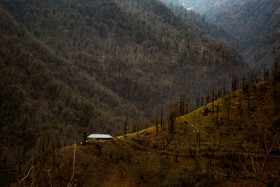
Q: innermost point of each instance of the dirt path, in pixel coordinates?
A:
(192, 125)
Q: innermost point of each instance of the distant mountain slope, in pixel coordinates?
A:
(251, 22)
(138, 49)
(204, 7)
(203, 24)
(265, 51)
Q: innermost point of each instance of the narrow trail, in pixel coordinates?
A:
(182, 117)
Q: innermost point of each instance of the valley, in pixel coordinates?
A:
(245, 25)
(188, 89)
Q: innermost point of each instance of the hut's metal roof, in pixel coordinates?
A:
(99, 136)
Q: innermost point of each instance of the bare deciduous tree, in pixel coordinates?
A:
(227, 104)
(257, 161)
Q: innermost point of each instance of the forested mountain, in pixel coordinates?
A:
(69, 65)
(254, 23)
(204, 25)
(44, 96)
(265, 51)
(138, 49)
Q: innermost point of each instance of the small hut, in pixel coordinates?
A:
(99, 137)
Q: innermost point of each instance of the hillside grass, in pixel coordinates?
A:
(229, 133)
(150, 158)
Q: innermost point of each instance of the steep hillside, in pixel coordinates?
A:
(138, 49)
(252, 22)
(233, 141)
(265, 51)
(203, 24)
(43, 93)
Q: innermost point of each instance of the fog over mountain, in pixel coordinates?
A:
(204, 7)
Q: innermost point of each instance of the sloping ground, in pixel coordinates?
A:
(255, 106)
(9, 166)
(208, 147)
(254, 23)
(251, 20)
(42, 93)
(113, 163)
(264, 52)
(138, 49)
(204, 25)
